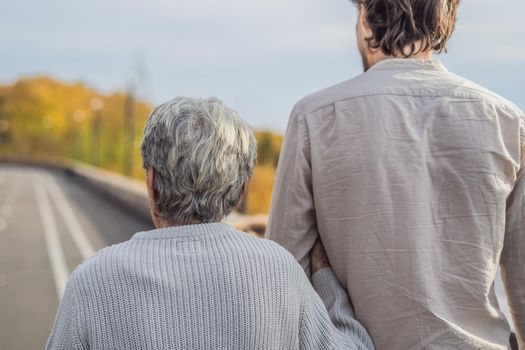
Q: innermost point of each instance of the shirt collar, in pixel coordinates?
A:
(408, 64)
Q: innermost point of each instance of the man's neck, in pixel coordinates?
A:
(379, 56)
(375, 56)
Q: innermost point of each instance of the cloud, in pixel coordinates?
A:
(261, 56)
(490, 32)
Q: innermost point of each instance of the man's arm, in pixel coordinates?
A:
(513, 254)
(292, 221)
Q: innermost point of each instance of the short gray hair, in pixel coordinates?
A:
(203, 155)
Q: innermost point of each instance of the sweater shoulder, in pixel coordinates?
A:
(99, 262)
(111, 260)
(266, 249)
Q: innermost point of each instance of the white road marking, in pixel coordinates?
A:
(54, 248)
(78, 235)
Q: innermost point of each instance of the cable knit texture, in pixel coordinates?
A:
(202, 287)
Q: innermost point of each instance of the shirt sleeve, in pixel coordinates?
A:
(64, 334)
(513, 254)
(292, 221)
(327, 318)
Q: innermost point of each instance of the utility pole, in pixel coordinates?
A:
(96, 106)
(4, 127)
(135, 87)
(129, 130)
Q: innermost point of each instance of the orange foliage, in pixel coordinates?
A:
(41, 116)
(260, 190)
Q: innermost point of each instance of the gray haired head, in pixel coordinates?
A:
(203, 155)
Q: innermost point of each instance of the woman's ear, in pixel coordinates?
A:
(150, 182)
(152, 194)
(244, 189)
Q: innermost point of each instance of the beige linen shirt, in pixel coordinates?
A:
(413, 178)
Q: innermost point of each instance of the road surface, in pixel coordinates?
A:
(49, 223)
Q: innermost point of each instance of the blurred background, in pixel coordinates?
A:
(78, 80)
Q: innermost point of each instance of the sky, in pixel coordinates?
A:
(259, 56)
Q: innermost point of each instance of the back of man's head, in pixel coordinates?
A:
(407, 27)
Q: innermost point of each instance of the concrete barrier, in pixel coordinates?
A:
(126, 192)
(129, 193)
(133, 195)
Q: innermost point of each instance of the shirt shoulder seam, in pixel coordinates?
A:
(502, 104)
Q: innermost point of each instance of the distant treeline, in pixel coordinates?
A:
(43, 117)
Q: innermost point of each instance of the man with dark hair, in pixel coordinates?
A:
(414, 180)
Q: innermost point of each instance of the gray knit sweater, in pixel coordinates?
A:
(202, 287)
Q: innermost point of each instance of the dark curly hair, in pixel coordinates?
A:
(400, 24)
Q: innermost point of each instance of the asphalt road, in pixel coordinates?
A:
(49, 223)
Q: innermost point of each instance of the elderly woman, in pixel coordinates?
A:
(195, 282)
